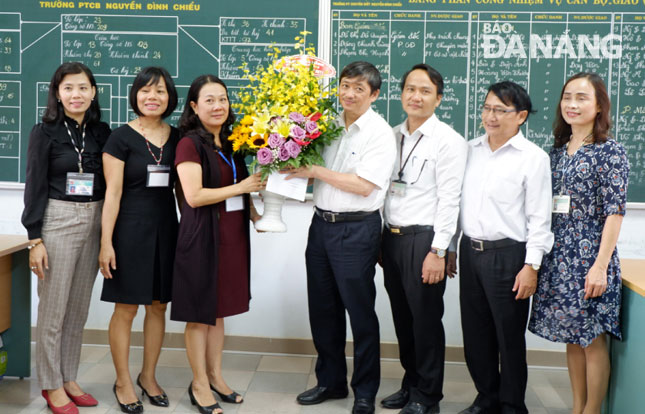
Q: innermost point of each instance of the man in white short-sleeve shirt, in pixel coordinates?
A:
(343, 243)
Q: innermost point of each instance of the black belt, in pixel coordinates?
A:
(481, 245)
(403, 230)
(331, 217)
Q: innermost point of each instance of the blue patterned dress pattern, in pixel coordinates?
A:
(595, 178)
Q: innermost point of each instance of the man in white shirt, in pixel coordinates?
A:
(343, 243)
(506, 221)
(421, 213)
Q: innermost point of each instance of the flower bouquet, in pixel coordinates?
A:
(288, 118)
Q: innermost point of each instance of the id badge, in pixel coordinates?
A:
(235, 203)
(79, 184)
(561, 204)
(158, 176)
(397, 188)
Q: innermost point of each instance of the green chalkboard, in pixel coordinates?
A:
(475, 43)
(115, 39)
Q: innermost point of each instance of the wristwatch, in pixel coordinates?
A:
(534, 266)
(439, 252)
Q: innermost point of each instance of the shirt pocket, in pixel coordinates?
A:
(418, 170)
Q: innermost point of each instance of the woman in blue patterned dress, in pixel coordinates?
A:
(578, 296)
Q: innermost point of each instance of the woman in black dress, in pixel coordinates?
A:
(211, 278)
(62, 220)
(139, 226)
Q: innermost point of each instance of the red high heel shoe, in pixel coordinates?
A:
(69, 408)
(83, 400)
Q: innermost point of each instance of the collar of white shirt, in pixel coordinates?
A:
(517, 141)
(361, 122)
(425, 128)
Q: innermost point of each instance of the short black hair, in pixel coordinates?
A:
(189, 123)
(433, 74)
(55, 111)
(513, 94)
(364, 70)
(151, 75)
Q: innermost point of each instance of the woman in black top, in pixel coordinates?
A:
(64, 192)
(139, 231)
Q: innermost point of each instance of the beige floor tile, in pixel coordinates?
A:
(391, 369)
(267, 402)
(549, 397)
(240, 362)
(387, 387)
(173, 358)
(238, 380)
(174, 377)
(17, 391)
(312, 381)
(459, 392)
(94, 353)
(457, 372)
(278, 382)
(293, 364)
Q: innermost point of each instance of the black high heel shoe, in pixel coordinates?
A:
(230, 398)
(132, 408)
(158, 400)
(202, 409)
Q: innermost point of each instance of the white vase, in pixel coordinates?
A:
(271, 220)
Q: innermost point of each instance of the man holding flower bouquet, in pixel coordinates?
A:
(344, 240)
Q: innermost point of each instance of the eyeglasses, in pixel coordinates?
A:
(496, 110)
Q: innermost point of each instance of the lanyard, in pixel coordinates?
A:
(401, 163)
(231, 164)
(82, 150)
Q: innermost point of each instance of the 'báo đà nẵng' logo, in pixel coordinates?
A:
(499, 41)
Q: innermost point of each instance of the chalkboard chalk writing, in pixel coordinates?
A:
(120, 46)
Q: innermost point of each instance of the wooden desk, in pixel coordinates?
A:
(628, 356)
(15, 304)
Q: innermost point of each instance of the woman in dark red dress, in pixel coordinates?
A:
(212, 261)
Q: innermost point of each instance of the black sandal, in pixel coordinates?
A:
(231, 398)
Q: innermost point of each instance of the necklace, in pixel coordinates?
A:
(143, 133)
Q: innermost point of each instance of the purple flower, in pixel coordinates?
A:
(264, 156)
(298, 133)
(297, 117)
(311, 126)
(275, 140)
(283, 153)
(292, 147)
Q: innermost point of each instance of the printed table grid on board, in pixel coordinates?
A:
(10, 43)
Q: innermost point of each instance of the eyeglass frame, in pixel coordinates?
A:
(496, 110)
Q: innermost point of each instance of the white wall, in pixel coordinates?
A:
(279, 304)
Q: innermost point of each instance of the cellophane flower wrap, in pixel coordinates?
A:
(287, 114)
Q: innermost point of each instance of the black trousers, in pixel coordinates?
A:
(417, 309)
(494, 325)
(341, 259)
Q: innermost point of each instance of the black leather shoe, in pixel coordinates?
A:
(473, 409)
(132, 408)
(418, 408)
(316, 395)
(203, 409)
(363, 406)
(397, 400)
(160, 400)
